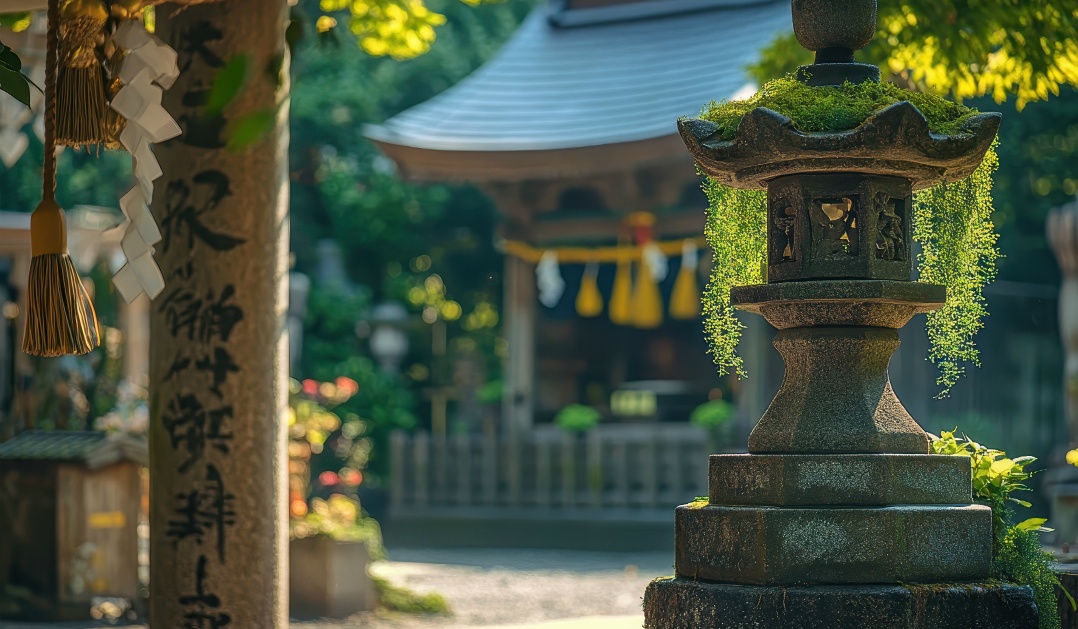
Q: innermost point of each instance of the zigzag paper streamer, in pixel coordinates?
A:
(149, 67)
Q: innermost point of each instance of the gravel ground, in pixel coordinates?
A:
(497, 587)
(504, 587)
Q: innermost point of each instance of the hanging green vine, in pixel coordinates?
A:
(736, 230)
(951, 222)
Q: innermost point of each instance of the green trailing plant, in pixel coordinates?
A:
(736, 230)
(952, 222)
(1017, 553)
(577, 418)
(396, 598)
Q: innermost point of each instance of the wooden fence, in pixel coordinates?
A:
(639, 469)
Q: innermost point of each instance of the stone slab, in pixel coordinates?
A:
(671, 603)
(839, 479)
(833, 545)
(876, 303)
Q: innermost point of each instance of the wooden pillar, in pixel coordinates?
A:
(218, 364)
(518, 403)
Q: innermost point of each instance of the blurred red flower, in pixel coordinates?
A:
(352, 477)
(348, 385)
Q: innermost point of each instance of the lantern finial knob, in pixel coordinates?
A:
(834, 29)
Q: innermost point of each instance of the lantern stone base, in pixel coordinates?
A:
(835, 545)
(679, 603)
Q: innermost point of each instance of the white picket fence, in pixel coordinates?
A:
(642, 468)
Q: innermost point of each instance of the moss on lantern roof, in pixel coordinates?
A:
(835, 108)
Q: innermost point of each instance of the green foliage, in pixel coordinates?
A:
(995, 476)
(491, 392)
(712, 414)
(383, 403)
(815, 109)
(577, 418)
(1022, 560)
(12, 80)
(396, 598)
(952, 222)
(401, 29)
(717, 418)
(1018, 555)
(965, 48)
(736, 230)
(1037, 152)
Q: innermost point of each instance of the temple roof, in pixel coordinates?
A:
(585, 78)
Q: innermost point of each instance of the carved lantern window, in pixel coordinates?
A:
(831, 226)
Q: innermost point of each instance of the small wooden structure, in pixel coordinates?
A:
(69, 511)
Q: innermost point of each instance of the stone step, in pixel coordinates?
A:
(671, 603)
(839, 479)
(834, 545)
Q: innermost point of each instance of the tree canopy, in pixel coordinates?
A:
(963, 48)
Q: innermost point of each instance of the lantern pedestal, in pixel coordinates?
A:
(677, 603)
(838, 506)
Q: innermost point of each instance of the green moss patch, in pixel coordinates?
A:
(821, 109)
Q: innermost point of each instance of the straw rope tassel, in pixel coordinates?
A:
(59, 316)
(81, 101)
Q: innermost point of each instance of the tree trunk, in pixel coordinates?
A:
(218, 372)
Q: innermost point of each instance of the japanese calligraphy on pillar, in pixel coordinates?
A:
(201, 312)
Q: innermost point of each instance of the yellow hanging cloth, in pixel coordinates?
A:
(60, 318)
(589, 301)
(647, 302)
(621, 297)
(685, 298)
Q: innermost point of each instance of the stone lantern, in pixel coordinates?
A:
(838, 516)
(389, 340)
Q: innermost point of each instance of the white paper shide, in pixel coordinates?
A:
(148, 67)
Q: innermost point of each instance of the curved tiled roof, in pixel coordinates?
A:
(595, 82)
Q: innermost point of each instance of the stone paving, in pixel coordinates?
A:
(506, 588)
